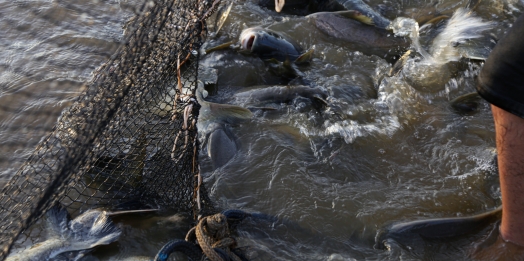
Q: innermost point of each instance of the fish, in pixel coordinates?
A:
(466, 104)
(370, 40)
(285, 69)
(219, 113)
(278, 6)
(359, 5)
(268, 44)
(91, 229)
(71, 239)
(307, 7)
(221, 146)
(280, 93)
(437, 229)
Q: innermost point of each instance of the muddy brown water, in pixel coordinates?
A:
(390, 153)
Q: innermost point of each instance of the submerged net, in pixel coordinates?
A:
(131, 135)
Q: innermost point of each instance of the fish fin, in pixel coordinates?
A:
(466, 104)
(91, 229)
(279, 4)
(272, 60)
(224, 13)
(284, 69)
(425, 27)
(319, 102)
(244, 52)
(399, 64)
(321, 99)
(219, 47)
(292, 69)
(472, 4)
(305, 57)
(356, 15)
(438, 19)
(57, 218)
(222, 146)
(231, 112)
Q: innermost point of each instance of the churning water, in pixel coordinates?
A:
(386, 149)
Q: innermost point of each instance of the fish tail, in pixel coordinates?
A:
(57, 219)
(101, 232)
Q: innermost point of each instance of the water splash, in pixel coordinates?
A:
(461, 28)
(430, 73)
(403, 26)
(401, 98)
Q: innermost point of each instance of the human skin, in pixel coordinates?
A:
(509, 132)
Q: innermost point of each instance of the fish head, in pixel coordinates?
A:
(268, 44)
(248, 37)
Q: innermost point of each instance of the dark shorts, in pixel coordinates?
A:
(501, 80)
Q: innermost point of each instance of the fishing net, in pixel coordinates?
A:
(130, 136)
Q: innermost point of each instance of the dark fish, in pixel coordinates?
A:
(221, 146)
(268, 44)
(285, 69)
(365, 38)
(306, 7)
(296, 7)
(438, 228)
(467, 103)
(280, 94)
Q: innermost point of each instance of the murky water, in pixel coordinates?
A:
(385, 152)
(49, 49)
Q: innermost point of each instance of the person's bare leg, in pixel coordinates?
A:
(510, 149)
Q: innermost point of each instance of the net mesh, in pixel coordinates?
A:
(130, 136)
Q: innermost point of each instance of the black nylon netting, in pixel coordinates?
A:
(131, 136)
